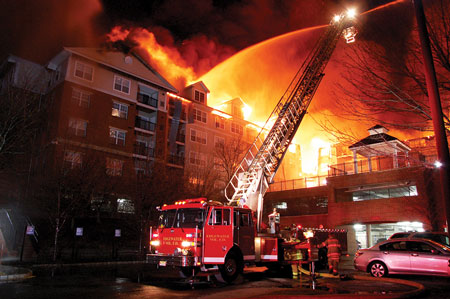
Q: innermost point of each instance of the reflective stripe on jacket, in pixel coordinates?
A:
(333, 247)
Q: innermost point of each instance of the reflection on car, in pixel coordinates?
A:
(439, 237)
(404, 256)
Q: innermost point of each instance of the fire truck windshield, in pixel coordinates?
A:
(182, 218)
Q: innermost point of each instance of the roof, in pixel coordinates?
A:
(131, 64)
(372, 139)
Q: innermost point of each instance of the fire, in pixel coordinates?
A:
(166, 60)
(316, 157)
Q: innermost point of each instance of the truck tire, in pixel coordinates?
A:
(231, 269)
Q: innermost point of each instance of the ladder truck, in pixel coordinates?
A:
(201, 236)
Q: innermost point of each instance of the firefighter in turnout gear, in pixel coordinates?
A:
(333, 254)
(295, 254)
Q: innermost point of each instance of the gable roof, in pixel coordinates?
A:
(372, 139)
(131, 64)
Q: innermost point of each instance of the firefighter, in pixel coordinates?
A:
(333, 254)
(274, 221)
(295, 254)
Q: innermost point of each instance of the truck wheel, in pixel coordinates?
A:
(231, 269)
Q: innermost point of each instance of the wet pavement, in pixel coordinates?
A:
(141, 281)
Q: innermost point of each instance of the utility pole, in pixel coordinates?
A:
(436, 109)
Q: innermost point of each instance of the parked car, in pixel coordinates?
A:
(439, 237)
(404, 256)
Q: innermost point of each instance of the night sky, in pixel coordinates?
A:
(37, 30)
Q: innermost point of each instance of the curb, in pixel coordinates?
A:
(61, 265)
(16, 276)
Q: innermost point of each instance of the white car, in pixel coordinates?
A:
(439, 237)
(404, 256)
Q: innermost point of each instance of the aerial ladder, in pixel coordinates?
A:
(257, 169)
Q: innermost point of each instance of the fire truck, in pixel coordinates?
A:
(201, 236)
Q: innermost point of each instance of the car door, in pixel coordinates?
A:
(396, 257)
(244, 233)
(425, 259)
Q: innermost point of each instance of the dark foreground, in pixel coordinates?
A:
(141, 281)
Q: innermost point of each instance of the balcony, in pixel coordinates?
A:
(181, 138)
(176, 160)
(144, 124)
(147, 100)
(143, 150)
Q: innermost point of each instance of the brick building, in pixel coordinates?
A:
(388, 187)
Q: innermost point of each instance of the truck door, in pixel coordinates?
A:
(218, 235)
(244, 233)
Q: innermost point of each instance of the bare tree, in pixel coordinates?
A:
(64, 185)
(23, 112)
(384, 82)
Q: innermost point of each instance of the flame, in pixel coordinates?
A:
(316, 157)
(167, 60)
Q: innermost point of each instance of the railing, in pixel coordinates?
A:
(181, 138)
(176, 160)
(307, 182)
(145, 124)
(141, 149)
(145, 99)
(348, 168)
(375, 164)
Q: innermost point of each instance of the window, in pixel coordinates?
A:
(114, 167)
(405, 191)
(125, 206)
(199, 115)
(198, 136)
(119, 110)
(216, 217)
(197, 159)
(199, 97)
(245, 219)
(121, 84)
(220, 122)
(72, 159)
(394, 246)
(117, 136)
(77, 127)
(237, 128)
(219, 142)
(81, 98)
(84, 71)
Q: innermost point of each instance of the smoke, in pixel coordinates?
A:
(37, 30)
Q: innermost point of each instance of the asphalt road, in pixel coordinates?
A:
(140, 282)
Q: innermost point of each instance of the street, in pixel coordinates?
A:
(138, 282)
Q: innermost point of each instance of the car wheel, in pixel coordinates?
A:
(378, 269)
(231, 269)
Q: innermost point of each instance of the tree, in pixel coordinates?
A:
(383, 81)
(64, 184)
(23, 112)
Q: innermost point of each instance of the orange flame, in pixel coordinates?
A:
(166, 60)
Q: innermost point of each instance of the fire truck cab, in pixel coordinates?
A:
(200, 235)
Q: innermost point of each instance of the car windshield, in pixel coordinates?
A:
(182, 218)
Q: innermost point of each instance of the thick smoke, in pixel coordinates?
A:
(37, 30)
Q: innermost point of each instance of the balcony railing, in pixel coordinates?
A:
(181, 138)
(143, 150)
(145, 124)
(147, 100)
(176, 160)
(348, 168)
(307, 182)
(375, 164)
